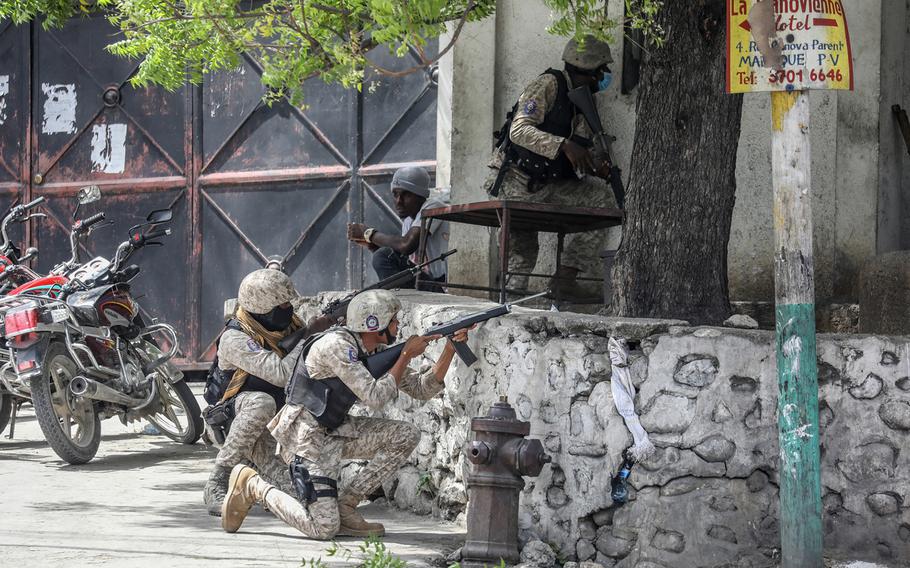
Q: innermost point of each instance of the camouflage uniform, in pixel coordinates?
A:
(248, 439)
(261, 292)
(386, 443)
(581, 249)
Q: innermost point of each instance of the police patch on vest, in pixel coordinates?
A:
(530, 107)
(352, 354)
(372, 323)
(253, 346)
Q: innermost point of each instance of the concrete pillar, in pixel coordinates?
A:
(857, 171)
(464, 132)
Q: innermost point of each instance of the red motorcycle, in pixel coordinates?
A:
(14, 272)
(79, 341)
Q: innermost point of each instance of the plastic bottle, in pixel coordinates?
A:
(619, 485)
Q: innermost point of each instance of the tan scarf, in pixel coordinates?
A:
(263, 337)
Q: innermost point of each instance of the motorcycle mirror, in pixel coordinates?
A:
(30, 253)
(89, 194)
(86, 195)
(160, 216)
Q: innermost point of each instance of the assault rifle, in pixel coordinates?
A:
(379, 364)
(338, 308)
(582, 98)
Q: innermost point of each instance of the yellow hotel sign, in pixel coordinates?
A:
(815, 45)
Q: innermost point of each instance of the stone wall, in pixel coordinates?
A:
(708, 396)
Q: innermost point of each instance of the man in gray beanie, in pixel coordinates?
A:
(394, 253)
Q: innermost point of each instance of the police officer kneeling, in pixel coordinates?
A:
(258, 370)
(315, 432)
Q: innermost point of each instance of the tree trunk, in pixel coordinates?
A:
(673, 259)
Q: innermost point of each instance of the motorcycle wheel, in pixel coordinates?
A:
(6, 410)
(179, 417)
(70, 424)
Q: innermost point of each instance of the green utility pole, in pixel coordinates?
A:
(797, 371)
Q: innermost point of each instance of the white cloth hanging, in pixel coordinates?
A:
(624, 398)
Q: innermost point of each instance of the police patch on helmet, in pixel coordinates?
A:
(530, 106)
(372, 323)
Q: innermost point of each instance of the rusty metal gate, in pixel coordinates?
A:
(245, 180)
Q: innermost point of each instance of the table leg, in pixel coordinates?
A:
(560, 238)
(421, 251)
(505, 227)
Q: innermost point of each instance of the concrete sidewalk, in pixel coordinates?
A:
(139, 503)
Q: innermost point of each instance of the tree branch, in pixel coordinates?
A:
(426, 63)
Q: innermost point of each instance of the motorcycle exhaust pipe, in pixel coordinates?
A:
(88, 388)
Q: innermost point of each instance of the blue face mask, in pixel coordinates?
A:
(604, 83)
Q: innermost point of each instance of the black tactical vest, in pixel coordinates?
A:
(329, 400)
(557, 121)
(218, 379)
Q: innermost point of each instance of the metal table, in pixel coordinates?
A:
(520, 215)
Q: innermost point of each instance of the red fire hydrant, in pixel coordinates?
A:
(501, 456)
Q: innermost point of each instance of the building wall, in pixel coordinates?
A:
(846, 139)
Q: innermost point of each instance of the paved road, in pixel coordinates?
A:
(139, 504)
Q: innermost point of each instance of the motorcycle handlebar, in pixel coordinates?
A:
(156, 234)
(33, 203)
(93, 220)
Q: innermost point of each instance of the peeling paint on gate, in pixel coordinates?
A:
(109, 148)
(59, 109)
(4, 91)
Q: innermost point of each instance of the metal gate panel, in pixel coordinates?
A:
(260, 136)
(304, 222)
(399, 114)
(245, 180)
(14, 111)
(89, 125)
(13, 107)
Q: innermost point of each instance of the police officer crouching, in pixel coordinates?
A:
(256, 371)
(315, 432)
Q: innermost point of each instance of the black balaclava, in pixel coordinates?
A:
(276, 320)
(388, 335)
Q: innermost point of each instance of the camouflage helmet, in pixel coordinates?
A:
(372, 310)
(593, 54)
(264, 289)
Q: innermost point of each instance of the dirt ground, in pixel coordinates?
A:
(139, 504)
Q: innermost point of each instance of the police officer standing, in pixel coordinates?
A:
(544, 157)
(315, 432)
(259, 370)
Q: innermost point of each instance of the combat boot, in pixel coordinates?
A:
(215, 489)
(352, 523)
(239, 498)
(569, 288)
